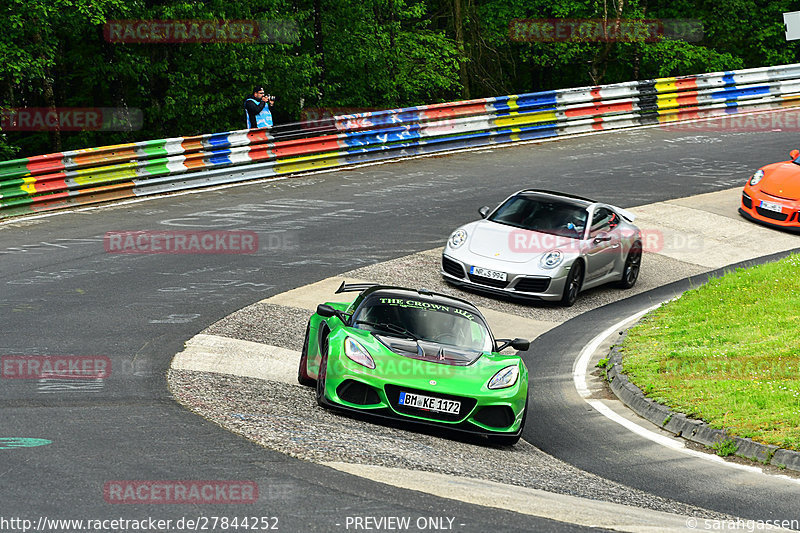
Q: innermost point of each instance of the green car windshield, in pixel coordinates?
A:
(426, 321)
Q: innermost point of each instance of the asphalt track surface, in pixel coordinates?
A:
(565, 426)
(63, 294)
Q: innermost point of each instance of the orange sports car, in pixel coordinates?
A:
(772, 195)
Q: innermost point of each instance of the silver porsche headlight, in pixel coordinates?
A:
(458, 238)
(355, 352)
(758, 176)
(551, 259)
(505, 378)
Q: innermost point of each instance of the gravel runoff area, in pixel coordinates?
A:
(421, 270)
(286, 417)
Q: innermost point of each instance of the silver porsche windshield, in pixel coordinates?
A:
(542, 215)
(424, 321)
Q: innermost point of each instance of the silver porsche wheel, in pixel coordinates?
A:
(573, 285)
(633, 264)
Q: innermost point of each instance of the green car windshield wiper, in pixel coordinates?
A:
(394, 328)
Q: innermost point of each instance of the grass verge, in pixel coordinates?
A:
(728, 353)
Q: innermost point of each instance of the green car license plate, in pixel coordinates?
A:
(429, 403)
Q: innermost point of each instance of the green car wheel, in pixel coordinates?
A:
(323, 370)
(302, 372)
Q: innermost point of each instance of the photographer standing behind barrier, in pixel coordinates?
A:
(256, 109)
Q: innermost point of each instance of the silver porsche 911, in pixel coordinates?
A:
(544, 245)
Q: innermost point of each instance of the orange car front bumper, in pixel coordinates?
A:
(770, 210)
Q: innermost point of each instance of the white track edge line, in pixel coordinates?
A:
(579, 379)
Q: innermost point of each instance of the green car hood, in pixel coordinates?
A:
(433, 352)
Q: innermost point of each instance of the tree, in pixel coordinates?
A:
(346, 53)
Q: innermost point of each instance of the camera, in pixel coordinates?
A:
(271, 97)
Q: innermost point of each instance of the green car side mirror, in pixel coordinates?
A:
(327, 311)
(518, 344)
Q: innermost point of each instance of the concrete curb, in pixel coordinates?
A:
(692, 430)
(224, 355)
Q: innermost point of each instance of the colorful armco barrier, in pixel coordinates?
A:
(81, 177)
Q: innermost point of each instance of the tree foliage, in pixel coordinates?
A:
(344, 53)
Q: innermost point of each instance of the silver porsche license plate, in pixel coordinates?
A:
(486, 273)
(430, 403)
(770, 206)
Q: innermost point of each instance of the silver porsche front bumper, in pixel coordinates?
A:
(522, 285)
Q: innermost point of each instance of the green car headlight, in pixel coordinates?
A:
(758, 176)
(505, 378)
(357, 353)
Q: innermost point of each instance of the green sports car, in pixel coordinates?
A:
(418, 356)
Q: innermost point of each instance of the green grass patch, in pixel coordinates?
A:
(726, 447)
(728, 353)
